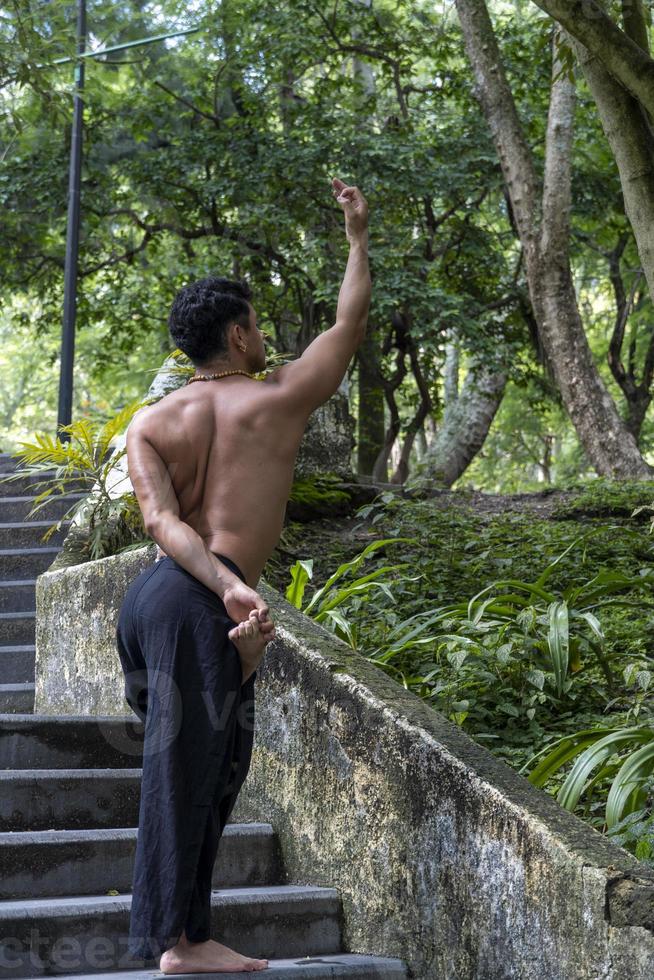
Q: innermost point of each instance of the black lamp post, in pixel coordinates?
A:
(64, 412)
(72, 236)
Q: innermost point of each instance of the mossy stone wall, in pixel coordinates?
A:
(442, 855)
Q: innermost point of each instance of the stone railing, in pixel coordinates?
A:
(442, 854)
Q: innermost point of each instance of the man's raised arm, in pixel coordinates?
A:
(314, 376)
(354, 296)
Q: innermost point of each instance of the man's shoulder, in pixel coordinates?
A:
(154, 411)
(274, 376)
(145, 419)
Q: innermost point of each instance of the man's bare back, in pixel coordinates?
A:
(230, 445)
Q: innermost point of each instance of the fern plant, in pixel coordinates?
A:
(108, 523)
(340, 596)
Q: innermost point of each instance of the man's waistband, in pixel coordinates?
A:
(231, 564)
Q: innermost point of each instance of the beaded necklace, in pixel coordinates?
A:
(221, 374)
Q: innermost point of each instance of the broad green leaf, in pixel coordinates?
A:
(301, 572)
(626, 793)
(558, 641)
(593, 756)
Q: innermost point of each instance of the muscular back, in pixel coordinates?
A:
(230, 447)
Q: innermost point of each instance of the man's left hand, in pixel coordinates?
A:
(240, 600)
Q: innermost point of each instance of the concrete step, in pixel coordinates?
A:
(14, 484)
(89, 933)
(335, 966)
(17, 627)
(106, 742)
(17, 698)
(17, 595)
(50, 509)
(29, 534)
(8, 462)
(65, 799)
(17, 663)
(92, 862)
(26, 563)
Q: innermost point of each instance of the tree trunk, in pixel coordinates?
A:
(609, 446)
(415, 425)
(371, 421)
(466, 423)
(451, 371)
(630, 138)
(371, 405)
(621, 56)
(629, 134)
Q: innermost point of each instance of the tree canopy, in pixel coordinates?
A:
(213, 152)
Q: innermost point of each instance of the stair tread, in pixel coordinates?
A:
(321, 965)
(16, 614)
(17, 686)
(94, 904)
(11, 582)
(26, 837)
(32, 496)
(71, 773)
(86, 720)
(44, 549)
(40, 472)
(4, 525)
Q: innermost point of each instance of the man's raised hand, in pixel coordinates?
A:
(355, 207)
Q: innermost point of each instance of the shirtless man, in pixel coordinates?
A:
(212, 463)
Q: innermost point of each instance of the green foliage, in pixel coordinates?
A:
(318, 494)
(336, 603)
(602, 497)
(480, 634)
(513, 647)
(635, 832)
(623, 757)
(104, 522)
(215, 153)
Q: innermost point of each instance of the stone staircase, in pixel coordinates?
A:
(69, 800)
(23, 556)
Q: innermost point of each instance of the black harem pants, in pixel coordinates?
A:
(183, 679)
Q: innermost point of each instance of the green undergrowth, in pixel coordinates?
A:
(606, 498)
(318, 495)
(454, 552)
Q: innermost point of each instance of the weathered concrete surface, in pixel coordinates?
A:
(442, 854)
(77, 670)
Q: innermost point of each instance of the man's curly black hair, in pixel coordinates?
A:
(201, 313)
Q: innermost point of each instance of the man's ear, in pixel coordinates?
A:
(240, 335)
(233, 335)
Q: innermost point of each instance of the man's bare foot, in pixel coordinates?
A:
(207, 957)
(250, 640)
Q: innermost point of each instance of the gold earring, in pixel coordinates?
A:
(243, 348)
